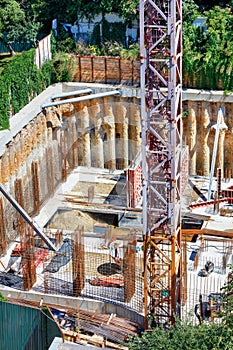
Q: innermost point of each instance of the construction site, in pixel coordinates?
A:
(116, 212)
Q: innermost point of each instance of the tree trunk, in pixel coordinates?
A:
(8, 46)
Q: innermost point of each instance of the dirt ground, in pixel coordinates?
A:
(99, 188)
(72, 220)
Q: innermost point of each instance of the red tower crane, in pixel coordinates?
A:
(161, 113)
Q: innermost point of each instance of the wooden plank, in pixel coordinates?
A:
(217, 233)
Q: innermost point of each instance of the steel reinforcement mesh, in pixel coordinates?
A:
(109, 268)
(85, 266)
(207, 268)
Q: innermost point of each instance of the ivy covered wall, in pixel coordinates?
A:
(20, 82)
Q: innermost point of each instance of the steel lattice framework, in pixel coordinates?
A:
(161, 110)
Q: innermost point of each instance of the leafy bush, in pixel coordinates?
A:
(185, 336)
(21, 81)
(62, 68)
(207, 55)
(108, 48)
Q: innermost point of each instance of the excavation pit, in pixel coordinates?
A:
(97, 222)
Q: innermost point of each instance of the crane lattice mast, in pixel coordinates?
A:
(161, 112)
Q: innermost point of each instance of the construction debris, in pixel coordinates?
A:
(108, 326)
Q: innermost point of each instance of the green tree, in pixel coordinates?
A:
(10, 16)
(207, 53)
(205, 5)
(15, 26)
(71, 11)
(219, 45)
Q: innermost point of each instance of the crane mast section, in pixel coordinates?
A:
(161, 112)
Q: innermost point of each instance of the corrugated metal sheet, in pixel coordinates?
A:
(16, 47)
(24, 328)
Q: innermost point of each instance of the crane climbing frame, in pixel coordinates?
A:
(161, 112)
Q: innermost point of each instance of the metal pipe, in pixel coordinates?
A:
(71, 93)
(82, 98)
(27, 218)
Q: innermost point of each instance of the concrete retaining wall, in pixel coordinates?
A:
(43, 146)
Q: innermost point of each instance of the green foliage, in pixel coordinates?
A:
(2, 298)
(207, 5)
(67, 45)
(132, 53)
(128, 9)
(16, 26)
(185, 113)
(107, 48)
(185, 336)
(207, 55)
(24, 79)
(228, 299)
(21, 81)
(112, 48)
(62, 67)
(70, 11)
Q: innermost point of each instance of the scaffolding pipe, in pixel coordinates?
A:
(82, 98)
(27, 218)
(220, 118)
(71, 93)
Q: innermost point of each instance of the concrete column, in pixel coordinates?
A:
(28, 141)
(5, 166)
(97, 152)
(12, 169)
(219, 162)
(18, 156)
(205, 129)
(38, 132)
(134, 130)
(44, 130)
(122, 138)
(191, 132)
(69, 125)
(85, 137)
(221, 146)
(220, 154)
(228, 154)
(66, 110)
(202, 147)
(75, 142)
(109, 138)
(1, 170)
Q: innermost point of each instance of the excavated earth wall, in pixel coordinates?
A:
(199, 128)
(44, 145)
